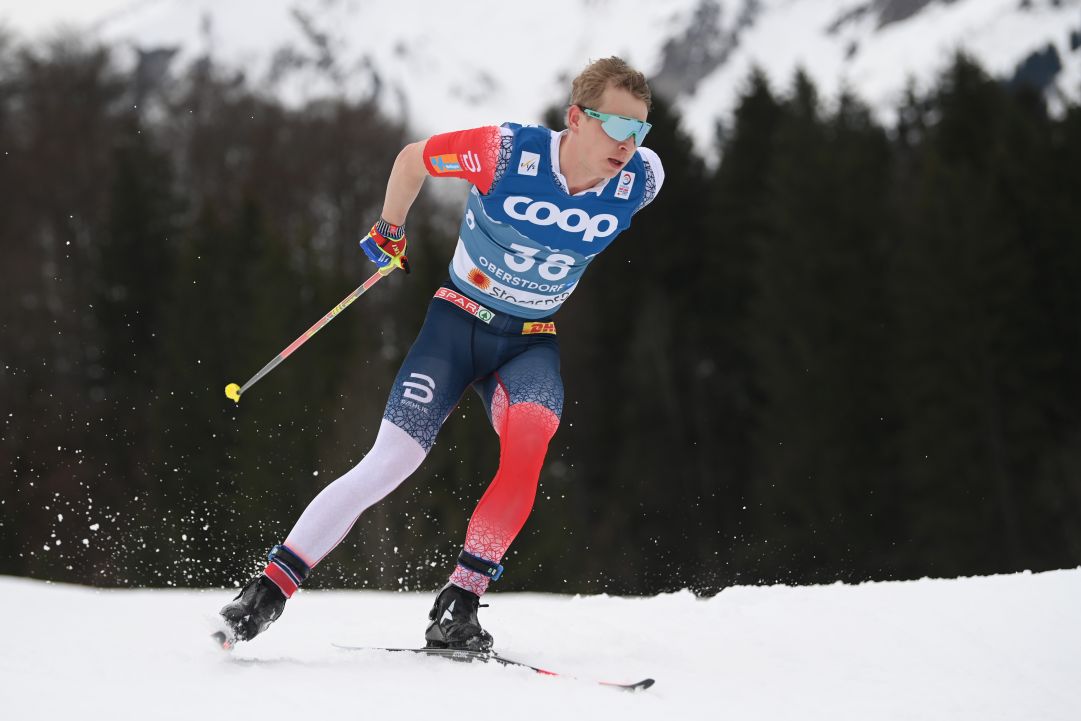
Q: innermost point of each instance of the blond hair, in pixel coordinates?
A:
(587, 88)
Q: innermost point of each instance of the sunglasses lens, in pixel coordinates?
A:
(619, 128)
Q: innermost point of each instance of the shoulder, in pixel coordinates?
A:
(654, 172)
(475, 155)
(515, 137)
(527, 131)
(653, 164)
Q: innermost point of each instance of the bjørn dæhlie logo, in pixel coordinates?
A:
(470, 161)
(419, 392)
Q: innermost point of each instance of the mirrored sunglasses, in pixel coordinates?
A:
(620, 127)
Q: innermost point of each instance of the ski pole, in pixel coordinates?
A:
(233, 391)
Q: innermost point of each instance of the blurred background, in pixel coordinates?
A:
(843, 344)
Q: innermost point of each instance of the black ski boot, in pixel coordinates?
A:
(454, 621)
(263, 598)
(257, 606)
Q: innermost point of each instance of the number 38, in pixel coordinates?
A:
(555, 267)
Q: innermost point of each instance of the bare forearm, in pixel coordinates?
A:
(406, 178)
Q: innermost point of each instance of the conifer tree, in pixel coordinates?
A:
(817, 340)
(737, 220)
(963, 290)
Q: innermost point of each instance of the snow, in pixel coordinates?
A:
(444, 65)
(39, 18)
(441, 65)
(793, 34)
(1001, 647)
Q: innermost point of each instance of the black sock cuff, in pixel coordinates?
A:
(281, 555)
(491, 569)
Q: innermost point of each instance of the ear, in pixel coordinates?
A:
(574, 118)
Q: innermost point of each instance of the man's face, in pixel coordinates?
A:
(604, 156)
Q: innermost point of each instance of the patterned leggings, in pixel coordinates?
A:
(514, 366)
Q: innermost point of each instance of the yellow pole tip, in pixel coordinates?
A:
(232, 392)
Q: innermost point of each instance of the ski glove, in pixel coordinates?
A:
(385, 246)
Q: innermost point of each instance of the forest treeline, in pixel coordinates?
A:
(848, 351)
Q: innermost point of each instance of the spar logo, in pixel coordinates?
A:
(572, 220)
(469, 306)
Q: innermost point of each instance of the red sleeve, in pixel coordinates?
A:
(469, 154)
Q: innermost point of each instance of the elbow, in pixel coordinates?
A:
(411, 157)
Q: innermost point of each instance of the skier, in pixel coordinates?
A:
(542, 206)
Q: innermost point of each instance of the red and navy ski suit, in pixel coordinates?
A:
(523, 245)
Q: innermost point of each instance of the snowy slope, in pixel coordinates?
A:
(446, 65)
(441, 65)
(842, 48)
(979, 649)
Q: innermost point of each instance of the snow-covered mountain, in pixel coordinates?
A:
(447, 65)
(1004, 647)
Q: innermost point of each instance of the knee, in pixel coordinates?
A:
(531, 425)
(395, 452)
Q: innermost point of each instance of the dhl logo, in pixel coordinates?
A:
(533, 328)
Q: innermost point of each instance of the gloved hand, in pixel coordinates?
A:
(385, 246)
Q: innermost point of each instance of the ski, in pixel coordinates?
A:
(467, 656)
(224, 640)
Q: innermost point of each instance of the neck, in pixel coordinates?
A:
(577, 175)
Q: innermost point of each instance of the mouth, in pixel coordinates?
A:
(615, 164)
